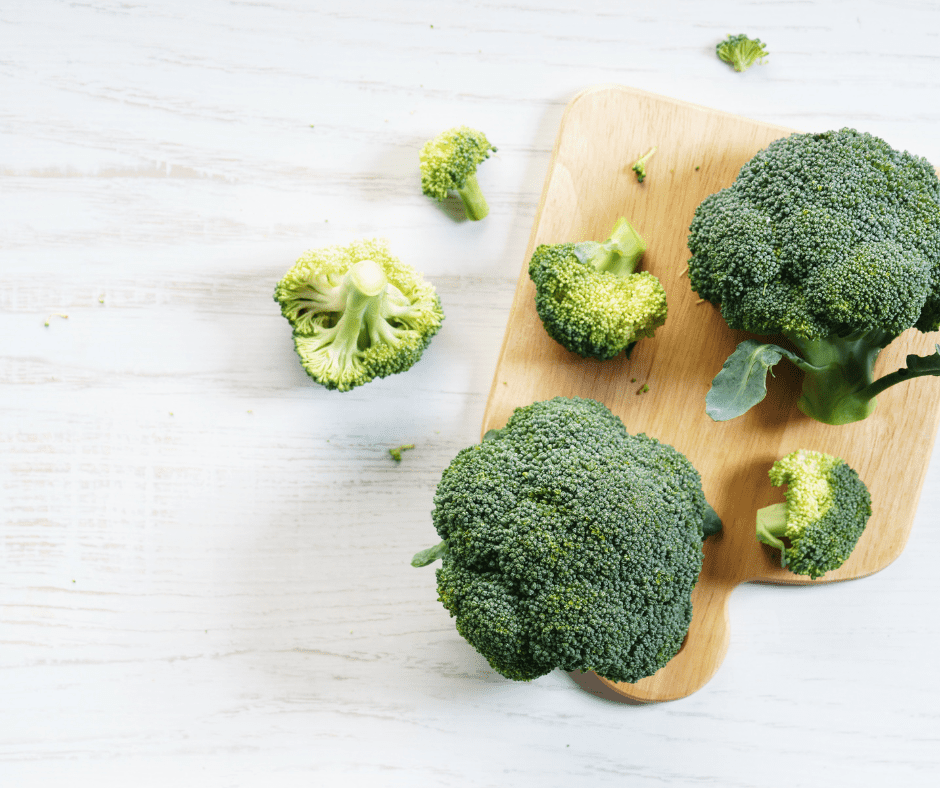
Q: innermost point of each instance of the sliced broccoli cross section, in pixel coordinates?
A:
(357, 313)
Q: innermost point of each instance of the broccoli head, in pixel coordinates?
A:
(449, 164)
(590, 297)
(741, 52)
(569, 543)
(833, 241)
(827, 508)
(358, 313)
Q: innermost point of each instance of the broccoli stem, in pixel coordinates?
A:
(429, 555)
(772, 527)
(471, 196)
(365, 285)
(838, 376)
(619, 254)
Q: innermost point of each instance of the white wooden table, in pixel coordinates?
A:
(204, 573)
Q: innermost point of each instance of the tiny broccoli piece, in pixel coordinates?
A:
(833, 241)
(741, 52)
(569, 543)
(639, 166)
(827, 508)
(449, 164)
(396, 452)
(591, 299)
(357, 313)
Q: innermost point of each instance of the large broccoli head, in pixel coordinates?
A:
(832, 240)
(826, 511)
(590, 298)
(820, 235)
(569, 543)
(357, 313)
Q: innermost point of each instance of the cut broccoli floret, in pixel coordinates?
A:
(591, 299)
(833, 241)
(827, 508)
(569, 543)
(357, 313)
(639, 166)
(741, 52)
(449, 164)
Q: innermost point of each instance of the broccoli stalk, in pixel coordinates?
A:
(618, 255)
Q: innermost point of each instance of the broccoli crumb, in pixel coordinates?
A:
(741, 52)
(643, 389)
(639, 166)
(396, 452)
(58, 314)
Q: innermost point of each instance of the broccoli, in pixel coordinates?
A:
(827, 508)
(358, 313)
(639, 166)
(569, 543)
(449, 163)
(741, 52)
(833, 241)
(397, 450)
(589, 297)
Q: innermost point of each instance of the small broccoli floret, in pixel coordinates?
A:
(569, 543)
(358, 313)
(449, 164)
(827, 508)
(591, 299)
(397, 450)
(741, 52)
(639, 166)
(833, 241)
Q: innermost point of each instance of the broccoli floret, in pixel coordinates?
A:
(397, 450)
(741, 52)
(639, 166)
(569, 543)
(827, 508)
(833, 241)
(358, 313)
(449, 164)
(591, 299)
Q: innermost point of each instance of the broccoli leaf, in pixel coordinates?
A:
(429, 555)
(742, 381)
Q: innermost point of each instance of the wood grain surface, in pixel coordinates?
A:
(589, 185)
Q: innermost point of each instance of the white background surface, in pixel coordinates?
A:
(204, 568)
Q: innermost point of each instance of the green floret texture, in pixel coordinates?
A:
(357, 313)
(741, 52)
(833, 241)
(826, 511)
(570, 543)
(590, 298)
(449, 164)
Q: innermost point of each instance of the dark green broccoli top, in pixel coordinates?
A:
(823, 234)
(570, 544)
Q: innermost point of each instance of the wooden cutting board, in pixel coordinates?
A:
(589, 185)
